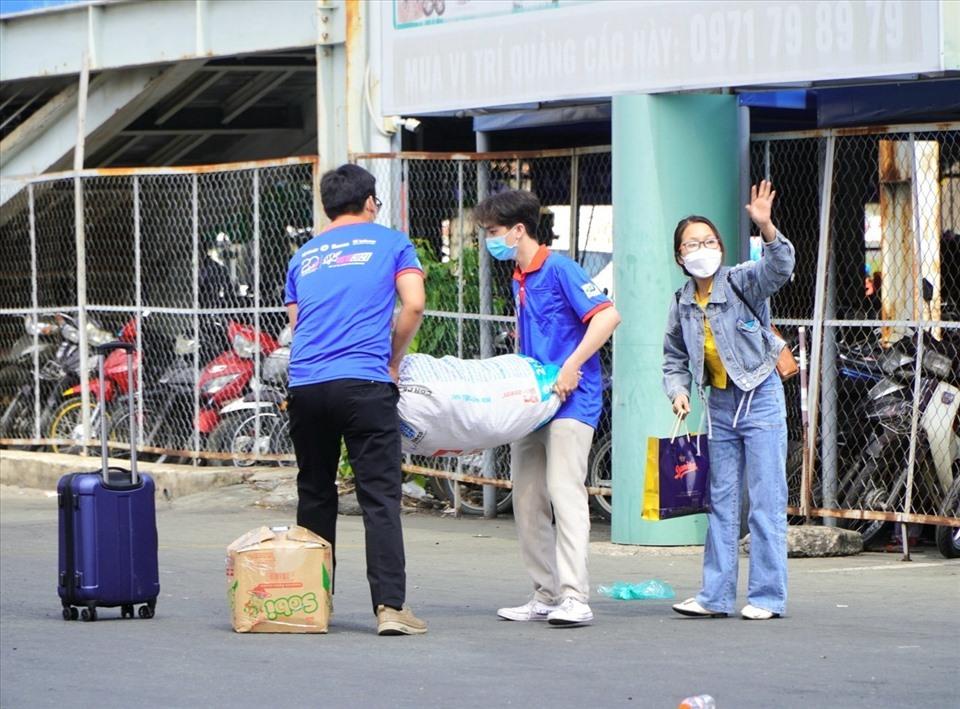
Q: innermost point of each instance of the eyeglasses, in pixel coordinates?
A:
(376, 201)
(688, 247)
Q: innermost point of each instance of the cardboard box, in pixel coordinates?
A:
(278, 581)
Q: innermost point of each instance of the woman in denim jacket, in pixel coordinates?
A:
(713, 339)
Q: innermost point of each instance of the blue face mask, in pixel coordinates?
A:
(497, 246)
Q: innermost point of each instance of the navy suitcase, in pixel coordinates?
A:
(108, 531)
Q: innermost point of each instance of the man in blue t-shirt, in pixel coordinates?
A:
(562, 319)
(341, 289)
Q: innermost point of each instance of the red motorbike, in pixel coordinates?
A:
(168, 406)
(66, 420)
(228, 375)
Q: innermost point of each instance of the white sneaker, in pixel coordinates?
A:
(571, 612)
(531, 610)
(691, 608)
(753, 613)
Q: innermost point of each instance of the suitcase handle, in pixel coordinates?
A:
(104, 350)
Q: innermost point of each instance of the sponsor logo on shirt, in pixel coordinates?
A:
(590, 290)
(336, 259)
(364, 242)
(309, 265)
(344, 245)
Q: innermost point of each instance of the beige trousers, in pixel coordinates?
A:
(549, 468)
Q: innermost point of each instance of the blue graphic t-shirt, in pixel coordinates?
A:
(343, 282)
(555, 300)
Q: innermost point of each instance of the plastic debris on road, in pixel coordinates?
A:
(653, 589)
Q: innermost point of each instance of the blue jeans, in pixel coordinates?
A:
(757, 448)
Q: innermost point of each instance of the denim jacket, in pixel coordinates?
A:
(747, 348)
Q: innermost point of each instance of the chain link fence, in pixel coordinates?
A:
(470, 308)
(189, 265)
(875, 217)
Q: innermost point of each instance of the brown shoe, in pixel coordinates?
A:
(390, 621)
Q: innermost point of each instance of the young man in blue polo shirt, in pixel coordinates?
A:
(340, 295)
(562, 319)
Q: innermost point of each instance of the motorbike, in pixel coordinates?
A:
(221, 380)
(258, 422)
(878, 479)
(66, 421)
(59, 371)
(39, 340)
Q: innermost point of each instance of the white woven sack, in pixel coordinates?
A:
(451, 406)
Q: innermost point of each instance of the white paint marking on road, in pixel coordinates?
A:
(882, 567)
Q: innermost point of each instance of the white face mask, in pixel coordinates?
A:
(703, 262)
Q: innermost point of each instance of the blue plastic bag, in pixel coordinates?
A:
(653, 589)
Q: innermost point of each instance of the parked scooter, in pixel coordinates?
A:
(258, 422)
(879, 479)
(168, 406)
(63, 370)
(17, 376)
(66, 420)
(948, 538)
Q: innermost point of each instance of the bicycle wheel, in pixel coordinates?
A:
(66, 424)
(600, 474)
(471, 496)
(243, 436)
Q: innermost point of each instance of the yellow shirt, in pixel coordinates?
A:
(716, 374)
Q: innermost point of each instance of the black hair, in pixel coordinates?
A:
(545, 233)
(681, 227)
(509, 208)
(345, 189)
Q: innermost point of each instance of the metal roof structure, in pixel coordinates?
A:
(173, 82)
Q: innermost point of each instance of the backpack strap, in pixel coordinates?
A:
(743, 299)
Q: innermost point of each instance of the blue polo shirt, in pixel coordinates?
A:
(555, 300)
(343, 283)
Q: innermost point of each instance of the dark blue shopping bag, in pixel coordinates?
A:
(677, 478)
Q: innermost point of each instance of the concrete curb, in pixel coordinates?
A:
(43, 470)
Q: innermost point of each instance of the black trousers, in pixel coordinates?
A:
(364, 414)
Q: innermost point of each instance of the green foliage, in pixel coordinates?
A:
(438, 335)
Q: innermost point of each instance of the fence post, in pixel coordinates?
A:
(317, 204)
(918, 317)
(486, 308)
(35, 305)
(574, 247)
(405, 192)
(826, 199)
(81, 248)
(460, 259)
(138, 306)
(195, 208)
(828, 390)
(257, 353)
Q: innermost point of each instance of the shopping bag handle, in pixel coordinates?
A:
(676, 427)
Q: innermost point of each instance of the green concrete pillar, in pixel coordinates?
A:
(673, 155)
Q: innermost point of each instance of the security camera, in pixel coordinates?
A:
(411, 124)
(392, 124)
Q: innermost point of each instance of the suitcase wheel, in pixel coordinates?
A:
(70, 613)
(88, 614)
(126, 611)
(146, 612)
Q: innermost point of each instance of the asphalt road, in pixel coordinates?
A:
(865, 631)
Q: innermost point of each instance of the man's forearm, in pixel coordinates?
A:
(408, 322)
(599, 330)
